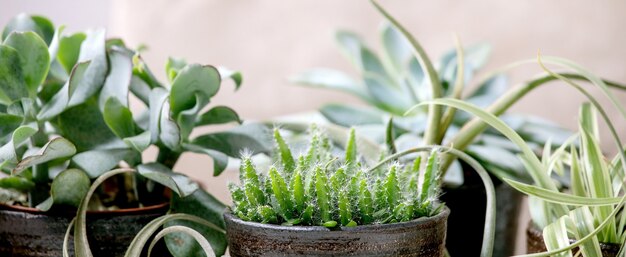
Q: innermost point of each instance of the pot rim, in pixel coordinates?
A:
(538, 234)
(119, 212)
(443, 214)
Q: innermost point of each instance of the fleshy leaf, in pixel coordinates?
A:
(34, 58)
(56, 148)
(179, 183)
(253, 137)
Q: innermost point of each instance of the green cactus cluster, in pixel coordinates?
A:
(317, 188)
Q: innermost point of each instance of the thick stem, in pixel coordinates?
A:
(40, 172)
(473, 128)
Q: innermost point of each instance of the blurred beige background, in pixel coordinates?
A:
(271, 40)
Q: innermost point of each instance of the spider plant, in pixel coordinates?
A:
(136, 247)
(592, 212)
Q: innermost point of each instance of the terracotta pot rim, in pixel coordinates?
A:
(443, 214)
(120, 212)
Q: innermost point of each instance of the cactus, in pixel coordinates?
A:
(317, 189)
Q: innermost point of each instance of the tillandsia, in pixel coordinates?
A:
(319, 188)
(73, 106)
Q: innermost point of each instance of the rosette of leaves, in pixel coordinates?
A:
(65, 119)
(315, 188)
(401, 75)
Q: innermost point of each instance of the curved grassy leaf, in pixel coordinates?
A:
(561, 198)
(118, 118)
(194, 79)
(56, 148)
(72, 195)
(117, 82)
(34, 58)
(12, 84)
(218, 115)
(332, 79)
(205, 206)
(206, 247)
(159, 173)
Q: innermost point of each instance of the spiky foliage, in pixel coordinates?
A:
(317, 188)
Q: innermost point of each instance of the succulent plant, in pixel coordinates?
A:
(66, 118)
(316, 188)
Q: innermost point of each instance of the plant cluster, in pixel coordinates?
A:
(316, 188)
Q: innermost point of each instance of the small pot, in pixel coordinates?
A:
(535, 243)
(31, 232)
(419, 237)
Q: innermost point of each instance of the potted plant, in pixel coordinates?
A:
(402, 76)
(65, 119)
(315, 204)
(588, 221)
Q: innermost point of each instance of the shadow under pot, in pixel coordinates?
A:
(30, 232)
(535, 243)
(420, 237)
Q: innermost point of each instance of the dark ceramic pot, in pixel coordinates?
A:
(420, 237)
(467, 219)
(30, 232)
(535, 244)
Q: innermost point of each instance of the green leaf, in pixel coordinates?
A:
(8, 123)
(139, 142)
(161, 174)
(34, 58)
(69, 49)
(397, 48)
(186, 120)
(91, 132)
(17, 183)
(56, 148)
(119, 118)
(12, 84)
(253, 137)
(117, 82)
(19, 137)
(157, 100)
(173, 66)
(194, 79)
(218, 115)
(348, 116)
(332, 79)
(205, 206)
(555, 237)
(561, 198)
(236, 76)
(389, 137)
(93, 50)
(69, 187)
(24, 22)
(170, 132)
(97, 162)
(59, 102)
(388, 98)
(220, 160)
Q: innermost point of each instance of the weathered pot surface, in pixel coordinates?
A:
(535, 243)
(30, 232)
(419, 237)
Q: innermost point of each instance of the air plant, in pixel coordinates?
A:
(317, 188)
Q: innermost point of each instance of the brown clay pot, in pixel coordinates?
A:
(535, 243)
(420, 237)
(30, 232)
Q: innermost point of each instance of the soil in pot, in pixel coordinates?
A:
(420, 237)
(467, 219)
(30, 232)
(535, 243)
